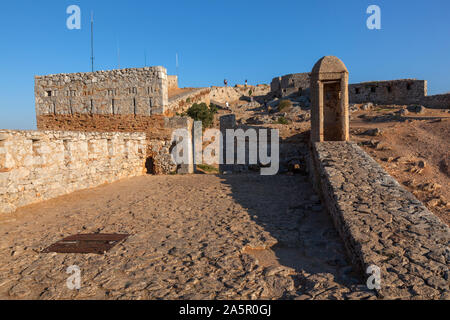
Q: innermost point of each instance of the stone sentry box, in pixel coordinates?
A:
(329, 97)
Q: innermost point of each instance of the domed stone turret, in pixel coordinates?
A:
(329, 97)
(329, 64)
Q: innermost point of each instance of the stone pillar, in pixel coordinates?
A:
(183, 123)
(320, 111)
(226, 122)
(345, 119)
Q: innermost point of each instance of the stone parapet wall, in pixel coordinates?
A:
(154, 126)
(382, 224)
(142, 91)
(406, 91)
(441, 101)
(290, 84)
(40, 165)
(388, 92)
(232, 94)
(182, 102)
(157, 128)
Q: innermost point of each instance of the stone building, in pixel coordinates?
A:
(127, 101)
(388, 92)
(287, 85)
(129, 91)
(404, 91)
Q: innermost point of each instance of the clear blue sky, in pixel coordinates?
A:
(245, 39)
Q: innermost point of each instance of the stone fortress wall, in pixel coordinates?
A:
(290, 84)
(402, 92)
(127, 100)
(406, 91)
(118, 92)
(182, 102)
(40, 165)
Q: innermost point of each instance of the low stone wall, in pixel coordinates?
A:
(158, 130)
(37, 165)
(382, 224)
(182, 102)
(436, 101)
(232, 94)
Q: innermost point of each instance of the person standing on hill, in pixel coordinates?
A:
(225, 82)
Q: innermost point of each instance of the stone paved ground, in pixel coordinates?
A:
(192, 237)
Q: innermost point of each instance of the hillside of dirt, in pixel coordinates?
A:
(414, 148)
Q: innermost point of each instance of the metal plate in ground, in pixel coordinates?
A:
(87, 243)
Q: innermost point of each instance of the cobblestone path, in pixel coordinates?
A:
(192, 237)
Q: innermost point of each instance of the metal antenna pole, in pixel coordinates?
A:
(118, 55)
(177, 65)
(92, 40)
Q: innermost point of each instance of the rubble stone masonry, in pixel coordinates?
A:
(38, 165)
(382, 224)
(290, 84)
(118, 92)
(388, 92)
(157, 128)
(405, 91)
(182, 102)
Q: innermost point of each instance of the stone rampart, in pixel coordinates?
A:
(382, 224)
(403, 92)
(158, 130)
(182, 102)
(141, 91)
(38, 165)
(296, 83)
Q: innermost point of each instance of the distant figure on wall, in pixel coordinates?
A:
(225, 82)
(246, 83)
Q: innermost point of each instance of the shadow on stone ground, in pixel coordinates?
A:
(189, 239)
(302, 236)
